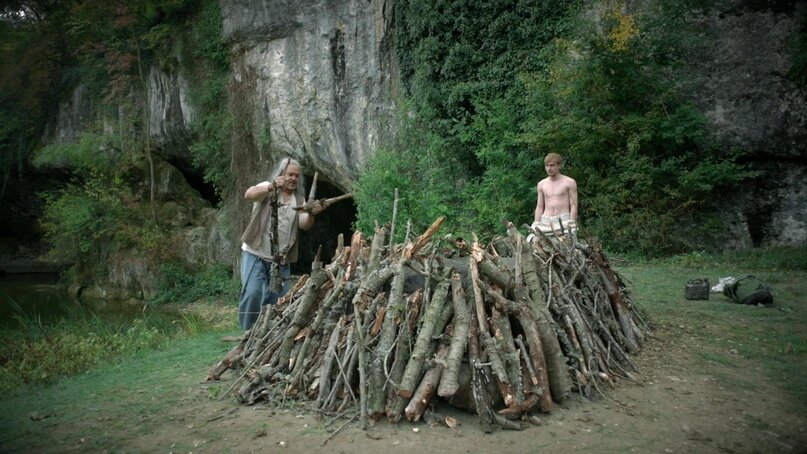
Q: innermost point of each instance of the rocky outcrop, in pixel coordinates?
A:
(317, 79)
(740, 78)
(75, 115)
(170, 112)
(200, 236)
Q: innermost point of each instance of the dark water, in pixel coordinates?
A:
(40, 296)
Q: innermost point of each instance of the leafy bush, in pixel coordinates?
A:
(73, 346)
(213, 120)
(176, 285)
(495, 87)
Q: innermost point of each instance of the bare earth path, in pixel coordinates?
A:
(680, 406)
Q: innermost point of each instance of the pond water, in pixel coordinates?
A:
(41, 296)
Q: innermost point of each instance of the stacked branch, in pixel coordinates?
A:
(503, 330)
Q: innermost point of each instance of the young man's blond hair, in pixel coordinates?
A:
(553, 158)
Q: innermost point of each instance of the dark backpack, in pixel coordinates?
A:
(749, 290)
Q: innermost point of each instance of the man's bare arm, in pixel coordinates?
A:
(258, 191)
(306, 221)
(573, 199)
(539, 207)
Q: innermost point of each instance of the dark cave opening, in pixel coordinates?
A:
(197, 181)
(337, 219)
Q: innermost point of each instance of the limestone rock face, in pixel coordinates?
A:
(740, 79)
(319, 79)
(170, 111)
(74, 116)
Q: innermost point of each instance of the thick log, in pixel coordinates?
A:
(316, 325)
(480, 394)
(377, 394)
(396, 403)
(524, 315)
(233, 357)
(459, 340)
(353, 256)
(376, 249)
(423, 342)
(327, 363)
(412, 249)
(358, 331)
(302, 316)
(503, 334)
(499, 275)
(556, 368)
(485, 340)
(427, 387)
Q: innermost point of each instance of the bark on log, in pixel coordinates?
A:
(459, 340)
(427, 387)
(556, 368)
(396, 403)
(521, 311)
(377, 397)
(233, 357)
(485, 340)
(481, 398)
(423, 342)
(301, 317)
(503, 334)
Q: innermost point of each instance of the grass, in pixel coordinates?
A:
(774, 339)
(130, 398)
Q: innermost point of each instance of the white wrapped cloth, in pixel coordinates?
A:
(551, 225)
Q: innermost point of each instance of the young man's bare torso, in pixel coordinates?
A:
(557, 193)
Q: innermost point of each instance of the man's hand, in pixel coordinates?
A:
(317, 207)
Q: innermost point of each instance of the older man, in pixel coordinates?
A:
(257, 256)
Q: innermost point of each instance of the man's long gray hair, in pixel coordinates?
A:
(281, 167)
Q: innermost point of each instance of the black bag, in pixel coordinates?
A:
(749, 290)
(697, 289)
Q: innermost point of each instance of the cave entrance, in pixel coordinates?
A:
(338, 218)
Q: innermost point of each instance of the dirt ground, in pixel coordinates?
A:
(680, 404)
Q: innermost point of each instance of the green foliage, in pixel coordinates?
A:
(426, 184)
(644, 163)
(29, 58)
(90, 153)
(176, 285)
(495, 87)
(213, 121)
(102, 209)
(456, 138)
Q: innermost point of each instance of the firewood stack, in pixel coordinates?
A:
(504, 330)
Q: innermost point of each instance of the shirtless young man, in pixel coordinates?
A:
(557, 197)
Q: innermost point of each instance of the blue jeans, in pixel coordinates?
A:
(255, 287)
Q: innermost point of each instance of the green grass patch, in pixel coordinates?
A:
(731, 335)
(130, 397)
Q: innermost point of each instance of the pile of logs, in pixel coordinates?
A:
(503, 330)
